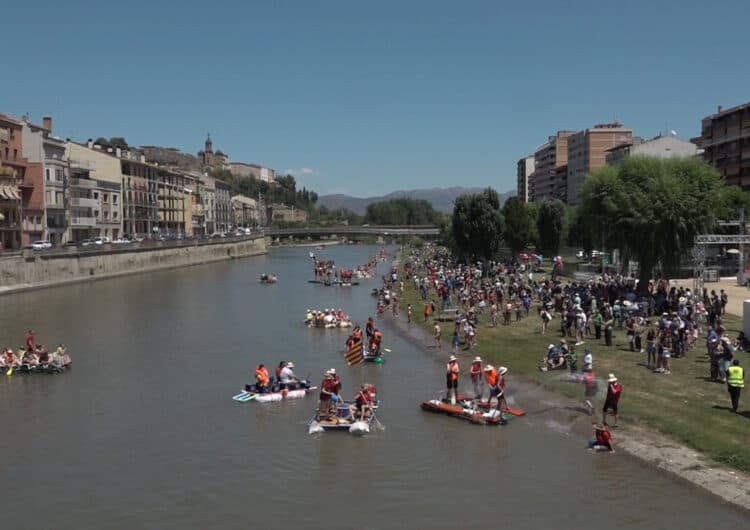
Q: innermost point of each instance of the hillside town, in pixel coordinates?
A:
(56, 191)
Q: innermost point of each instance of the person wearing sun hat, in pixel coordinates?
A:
(451, 378)
(614, 391)
(476, 377)
(602, 439)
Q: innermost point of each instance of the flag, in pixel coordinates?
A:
(355, 355)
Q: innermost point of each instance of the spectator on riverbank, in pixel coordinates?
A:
(614, 391)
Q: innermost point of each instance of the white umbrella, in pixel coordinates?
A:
(733, 251)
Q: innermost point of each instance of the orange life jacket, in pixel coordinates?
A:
(491, 377)
(453, 370)
(261, 376)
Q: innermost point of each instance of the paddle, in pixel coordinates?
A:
(387, 350)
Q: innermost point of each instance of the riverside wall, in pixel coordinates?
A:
(39, 269)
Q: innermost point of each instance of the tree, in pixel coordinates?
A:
(516, 233)
(652, 209)
(118, 141)
(477, 224)
(102, 141)
(532, 211)
(551, 226)
(402, 211)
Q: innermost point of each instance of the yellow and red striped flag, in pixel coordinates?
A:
(355, 354)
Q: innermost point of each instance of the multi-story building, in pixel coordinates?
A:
(244, 211)
(254, 171)
(587, 151)
(21, 196)
(658, 147)
(548, 158)
(525, 168)
(725, 140)
(287, 214)
(209, 203)
(95, 195)
(223, 206)
(40, 147)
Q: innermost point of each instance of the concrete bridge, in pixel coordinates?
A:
(424, 231)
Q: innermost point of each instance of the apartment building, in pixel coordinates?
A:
(725, 140)
(40, 147)
(524, 170)
(255, 171)
(223, 216)
(587, 151)
(95, 194)
(548, 158)
(244, 211)
(667, 146)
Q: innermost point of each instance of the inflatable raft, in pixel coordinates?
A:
(485, 405)
(343, 421)
(462, 412)
(267, 397)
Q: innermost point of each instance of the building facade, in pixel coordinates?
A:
(208, 158)
(40, 147)
(95, 195)
(223, 206)
(725, 140)
(524, 170)
(587, 151)
(286, 214)
(255, 171)
(244, 211)
(658, 147)
(548, 158)
(17, 186)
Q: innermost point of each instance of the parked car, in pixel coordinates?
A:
(120, 241)
(42, 244)
(86, 242)
(102, 240)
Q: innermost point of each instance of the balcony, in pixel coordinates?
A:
(77, 222)
(82, 202)
(82, 183)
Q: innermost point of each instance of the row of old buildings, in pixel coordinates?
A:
(64, 191)
(558, 167)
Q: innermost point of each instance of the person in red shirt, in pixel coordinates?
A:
(328, 397)
(602, 439)
(30, 341)
(614, 391)
(451, 378)
(476, 377)
(363, 402)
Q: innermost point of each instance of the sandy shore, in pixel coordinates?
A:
(649, 446)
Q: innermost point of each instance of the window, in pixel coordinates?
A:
(96, 195)
(105, 197)
(49, 197)
(59, 197)
(15, 154)
(114, 199)
(59, 174)
(106, 215)
(114, 215)
(48, 174)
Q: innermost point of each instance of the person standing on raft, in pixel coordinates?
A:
(451, 378)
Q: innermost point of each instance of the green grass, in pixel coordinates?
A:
(683, 405)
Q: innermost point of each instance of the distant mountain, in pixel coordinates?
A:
(441, 198)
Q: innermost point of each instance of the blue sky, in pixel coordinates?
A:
(370, 97)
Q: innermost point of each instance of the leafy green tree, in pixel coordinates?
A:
(517, 226)
(477, 224)
(532, 212)
(402, 211)
(103, 142)
(118, 141)
(551, 226)
(651, 209)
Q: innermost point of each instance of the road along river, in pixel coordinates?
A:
(142, 431)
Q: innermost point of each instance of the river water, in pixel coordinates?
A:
(142, 432)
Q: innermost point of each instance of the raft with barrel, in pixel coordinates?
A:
(460, 411)
(342, 420)
(267, 278)
(250, 393)
(485, 405)
(39, 369)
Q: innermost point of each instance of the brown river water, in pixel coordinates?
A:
(142, 431)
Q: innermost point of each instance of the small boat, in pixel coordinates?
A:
(39, 369)
(462, 412)
(485, 405)
(249, 393)
(343, 421)
(268, 278)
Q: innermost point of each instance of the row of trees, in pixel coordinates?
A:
(650, 209)
(402, 211)
(283, 190)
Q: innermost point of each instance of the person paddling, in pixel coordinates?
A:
(287, 379)
(262, 379)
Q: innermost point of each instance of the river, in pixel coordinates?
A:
(142, 431)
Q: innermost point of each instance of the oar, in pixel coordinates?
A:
(387, 350)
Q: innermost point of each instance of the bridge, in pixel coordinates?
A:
(425, 231)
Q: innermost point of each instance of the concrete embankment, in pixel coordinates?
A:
(36, 270)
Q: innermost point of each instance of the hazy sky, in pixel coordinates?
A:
(369, 97)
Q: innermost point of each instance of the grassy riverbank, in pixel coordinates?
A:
(684, 405)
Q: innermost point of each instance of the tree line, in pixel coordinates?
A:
(650, 209)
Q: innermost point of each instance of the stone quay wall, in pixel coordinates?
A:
(39, 269)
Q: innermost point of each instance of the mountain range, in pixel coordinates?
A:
(441, 198)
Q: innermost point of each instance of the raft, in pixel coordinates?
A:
(485, 405)
(342, 422)
(461, 412)
(47, 369)
(267, 397)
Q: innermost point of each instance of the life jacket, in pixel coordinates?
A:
(491, 377)
(261, 375)
(377, 336)
(453, 370)
(735, 376)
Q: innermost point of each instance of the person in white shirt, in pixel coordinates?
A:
(588, 360)
(288, 379)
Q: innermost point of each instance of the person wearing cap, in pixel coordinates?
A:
(451, 378)
(476, 377)
(496, 381)
(614, 391)
(363, 403)
(602, 439)
(735, 383)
